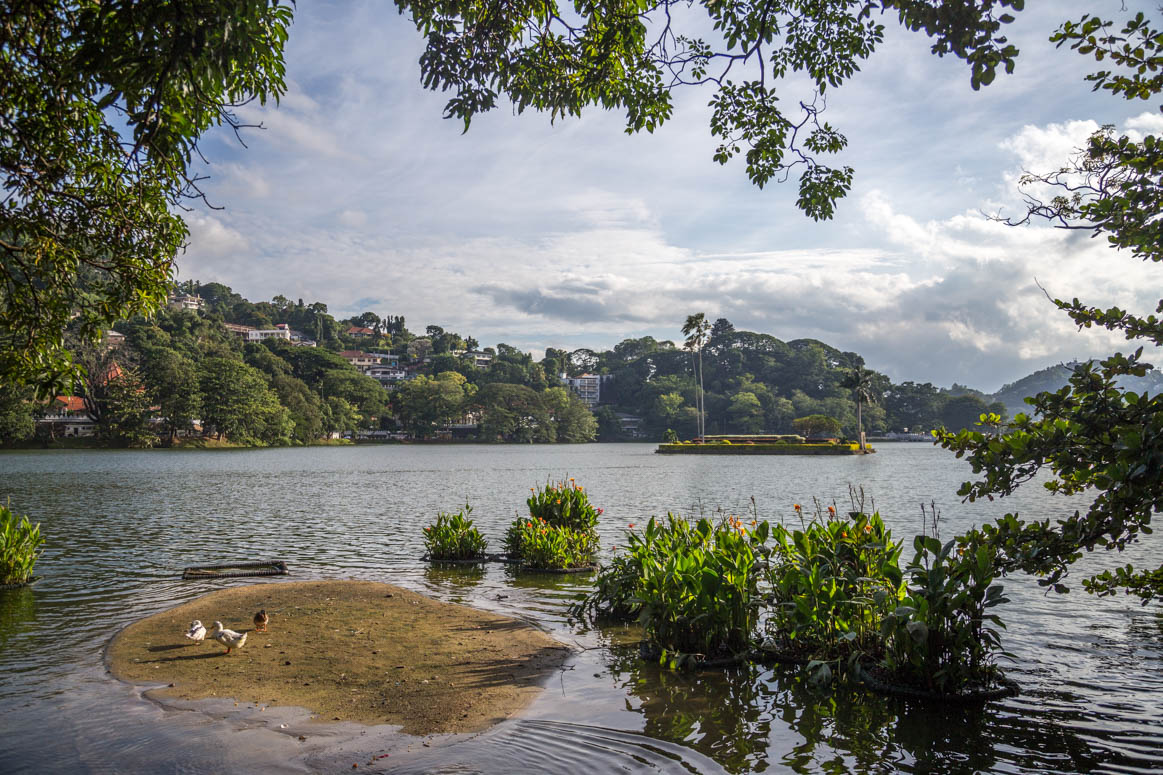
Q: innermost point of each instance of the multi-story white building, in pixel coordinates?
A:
(588, 387)
(388, 376)
(280, 331)
(188, 301)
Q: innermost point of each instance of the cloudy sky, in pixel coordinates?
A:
(358, 194)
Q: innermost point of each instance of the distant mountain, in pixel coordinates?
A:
(1055, 377)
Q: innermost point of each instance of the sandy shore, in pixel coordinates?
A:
(348, 651)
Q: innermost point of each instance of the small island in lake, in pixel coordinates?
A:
(763, 444)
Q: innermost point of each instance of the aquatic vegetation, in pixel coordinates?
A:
(563, 504)
(940, 637)
(539, 544)
(453, 537)
(20, 547)
(694, 588)
(560, 531)
(832, 583)
(831, 594)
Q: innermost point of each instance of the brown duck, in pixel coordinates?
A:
(260, 620)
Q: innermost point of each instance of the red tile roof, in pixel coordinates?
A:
(72, 403)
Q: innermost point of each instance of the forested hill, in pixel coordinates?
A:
(1053, 378)
(202, 370)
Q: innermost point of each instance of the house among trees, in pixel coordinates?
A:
(360, 360)
(239, 330)
(359, 332)
(191, 302)
(588, 387)
(280, 331)
(66, 417)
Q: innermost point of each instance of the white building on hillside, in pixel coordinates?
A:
(588, 387)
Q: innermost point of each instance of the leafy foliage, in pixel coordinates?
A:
(832, 584)
(453, 537)
(102, 111)
(694, 588)
(831, 593)
(564, 504)
(634, 55)
(1092, 435)
(939, 636)
(538, 544)
(561, 529)
(20, 547)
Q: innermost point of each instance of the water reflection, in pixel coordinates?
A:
(454, 578)
(17, 614)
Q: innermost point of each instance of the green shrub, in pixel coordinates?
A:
(538, 544)
(20, 547)
(694, 587)
(832, 584)
(560, 531)
(938, 637)
(831, 592)
(563, 504)
(453, 537)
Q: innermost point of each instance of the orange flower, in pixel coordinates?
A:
(843, 534)
(868, 528)
(796, 507)
(831, 509)
(631, 525)
(528, 524)
(754, 523)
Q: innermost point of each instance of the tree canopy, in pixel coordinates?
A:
(102, 107)
(633, 56)
(1095, 437)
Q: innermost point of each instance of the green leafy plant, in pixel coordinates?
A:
(563, 504)
(832, 583)
(560, 531)
(694, 588)
(940, 636)
(453, 537)
(538, 544)
(20, 547)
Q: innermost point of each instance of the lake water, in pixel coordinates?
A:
(121, 525)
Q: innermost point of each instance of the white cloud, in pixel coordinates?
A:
(209, 236)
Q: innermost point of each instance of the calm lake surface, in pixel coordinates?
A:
(121, 525)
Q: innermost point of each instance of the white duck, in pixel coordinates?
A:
(197, 632)
(228, 638)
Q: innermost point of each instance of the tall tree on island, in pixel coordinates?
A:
(860, 381)
(695, 329)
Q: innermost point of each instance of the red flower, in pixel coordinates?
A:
(631, 525)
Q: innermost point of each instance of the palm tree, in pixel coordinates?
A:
(860, 381)
(695, 330)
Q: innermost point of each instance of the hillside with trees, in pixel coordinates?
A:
(185, 373)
